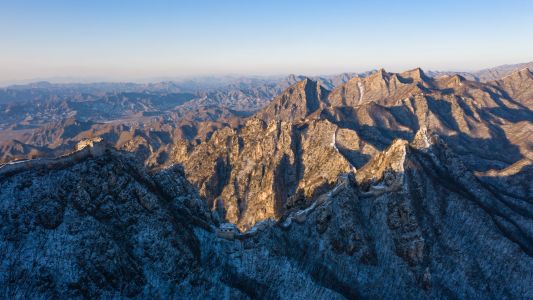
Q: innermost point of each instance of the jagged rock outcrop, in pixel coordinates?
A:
(259, 176)
(426, 231)
(241, 169)
(102, 227)
(380, 86)
(480, 121)
(392, 186)
(296, 102)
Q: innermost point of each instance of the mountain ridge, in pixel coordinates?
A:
(397, 227)
(392, 185)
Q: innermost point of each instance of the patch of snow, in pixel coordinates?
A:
(361, 91)
(334, 145)
(333, 141)
(402, 159)
(424, 136)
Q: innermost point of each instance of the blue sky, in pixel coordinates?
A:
(133, 40)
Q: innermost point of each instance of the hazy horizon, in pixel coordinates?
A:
(157, 79)
(139, 41)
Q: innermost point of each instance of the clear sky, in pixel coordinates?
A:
(133, 40)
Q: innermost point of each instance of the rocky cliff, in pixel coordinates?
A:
(306, 137)
(389, 186)
(412, 223)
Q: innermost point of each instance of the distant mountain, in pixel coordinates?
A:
(500, 71)
(190, 109)
(518, 86)
(327, 81)
(391, 185)
(486, 75)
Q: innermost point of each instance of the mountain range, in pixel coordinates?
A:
(378, 185)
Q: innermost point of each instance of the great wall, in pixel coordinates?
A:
(85, 149)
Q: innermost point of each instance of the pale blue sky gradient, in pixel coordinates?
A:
(133, 40)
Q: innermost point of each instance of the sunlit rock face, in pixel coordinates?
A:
(304, 138)
(414, 222)
(260, 175)
(391, 186)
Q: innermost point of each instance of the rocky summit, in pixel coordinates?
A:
(290, 151)
(407, 185)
